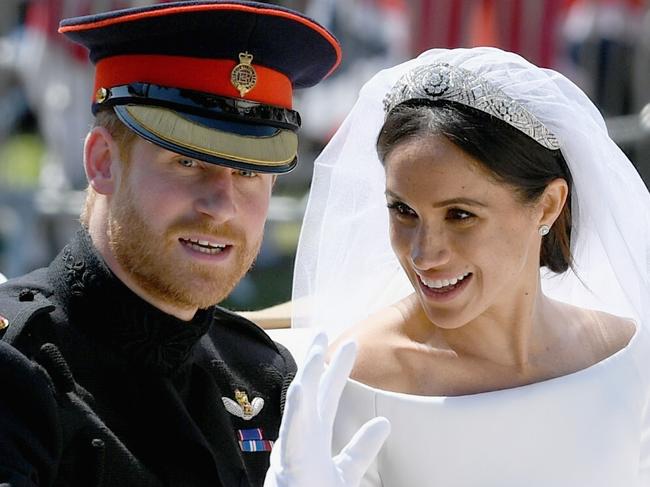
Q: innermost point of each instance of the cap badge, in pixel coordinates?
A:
(243, 76)
(241, 407)
(4, 322)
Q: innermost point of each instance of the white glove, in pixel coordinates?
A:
(302, 455)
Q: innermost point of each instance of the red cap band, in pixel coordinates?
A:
(206, 75)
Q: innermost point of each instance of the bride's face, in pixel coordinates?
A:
(468, 244)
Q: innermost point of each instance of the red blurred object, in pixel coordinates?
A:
(527, 27)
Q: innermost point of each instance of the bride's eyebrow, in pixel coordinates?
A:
(459, 201)
(447, 202)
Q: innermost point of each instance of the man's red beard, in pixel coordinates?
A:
(154, 262)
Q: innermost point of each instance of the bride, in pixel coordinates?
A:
(473, 227)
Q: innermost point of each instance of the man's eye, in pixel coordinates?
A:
(401, 209)
(245, 173)
(187, 162)
(458, 214)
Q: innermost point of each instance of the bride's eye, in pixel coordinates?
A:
(460, 215)
(401, 209)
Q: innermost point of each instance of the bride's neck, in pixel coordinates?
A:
(509, 334)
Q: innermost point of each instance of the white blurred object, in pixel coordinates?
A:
(2, 278)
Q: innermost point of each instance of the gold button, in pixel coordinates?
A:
(4, 322)
(101, 95)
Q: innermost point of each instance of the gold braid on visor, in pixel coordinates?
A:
(279, 149)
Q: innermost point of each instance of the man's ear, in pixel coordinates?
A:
(553, 200)
(102, 161)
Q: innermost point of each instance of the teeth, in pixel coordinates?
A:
(205, 243)
(437, 283)
(203, 246)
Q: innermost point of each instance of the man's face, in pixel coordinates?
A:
(186, 231)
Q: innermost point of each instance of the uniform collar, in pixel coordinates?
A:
(95, 299)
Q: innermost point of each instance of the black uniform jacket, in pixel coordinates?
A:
(99, 388)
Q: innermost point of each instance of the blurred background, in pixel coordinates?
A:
(45, 92)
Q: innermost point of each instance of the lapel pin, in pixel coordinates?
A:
(242, 407)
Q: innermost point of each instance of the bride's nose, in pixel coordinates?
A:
(430, 247)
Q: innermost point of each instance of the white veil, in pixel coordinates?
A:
(345, 268)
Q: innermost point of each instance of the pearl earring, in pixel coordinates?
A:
(544, 229)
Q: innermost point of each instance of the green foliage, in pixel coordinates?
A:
(20, 161)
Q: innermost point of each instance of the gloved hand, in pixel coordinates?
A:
(302, 455)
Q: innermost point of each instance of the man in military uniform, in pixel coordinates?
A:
(116, 367)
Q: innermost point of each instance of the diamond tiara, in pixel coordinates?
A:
(446, 82)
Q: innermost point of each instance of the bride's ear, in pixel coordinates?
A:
(552, 201)
(102, 161)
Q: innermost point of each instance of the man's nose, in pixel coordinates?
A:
(216, 196)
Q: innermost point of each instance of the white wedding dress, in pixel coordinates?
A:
(584, 429)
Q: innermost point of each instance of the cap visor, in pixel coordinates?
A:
(243, 146)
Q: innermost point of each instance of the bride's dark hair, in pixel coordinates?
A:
(510, 155)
